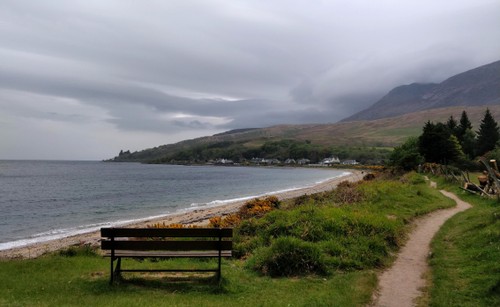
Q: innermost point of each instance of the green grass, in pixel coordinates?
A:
(337, 233)
(356, 239)
(55, 280)
(466, 256)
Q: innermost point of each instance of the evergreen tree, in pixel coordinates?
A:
(464, 124)
(452, 125)
(488, 134)
(468, 143)
(437, 144)
(455, 152)
(466, 135)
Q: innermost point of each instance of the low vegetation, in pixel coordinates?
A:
(331, 244)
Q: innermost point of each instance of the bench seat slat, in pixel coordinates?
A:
(172, 270)
(170, 254)
(167, 232)
(166, 245)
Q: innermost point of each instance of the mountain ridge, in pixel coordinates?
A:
(475, 87)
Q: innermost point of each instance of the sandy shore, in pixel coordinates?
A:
(198, 217)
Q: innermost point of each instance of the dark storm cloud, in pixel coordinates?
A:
(168, 70)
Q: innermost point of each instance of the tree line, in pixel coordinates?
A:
(273, 149)
(451, 142)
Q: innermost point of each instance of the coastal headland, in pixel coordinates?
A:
(197, 217)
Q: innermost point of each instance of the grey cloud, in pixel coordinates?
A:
(192, 67)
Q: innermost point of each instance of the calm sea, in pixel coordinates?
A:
(45, 200)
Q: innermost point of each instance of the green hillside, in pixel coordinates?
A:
(316, 140)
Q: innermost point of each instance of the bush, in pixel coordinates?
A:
(230, 220)
(348, 193)
(306, 223)
(356, 253)
(412, 178)
(79, 250)
(407, 156)
(289, 256)
(258, 207)
(253, 208)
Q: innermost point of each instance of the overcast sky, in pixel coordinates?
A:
(85, 79)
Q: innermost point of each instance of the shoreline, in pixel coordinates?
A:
(195, 217)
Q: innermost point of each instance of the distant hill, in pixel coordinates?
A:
(476, 87)
(386, 132)
(387, 123)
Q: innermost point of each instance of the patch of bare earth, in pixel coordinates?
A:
(401, 284)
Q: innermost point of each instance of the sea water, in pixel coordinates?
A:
(45, 200)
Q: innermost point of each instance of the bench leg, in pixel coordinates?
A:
(219, 270)
(116, 272)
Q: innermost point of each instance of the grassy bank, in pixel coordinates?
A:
(349, 234)
(466, 255)
(82, 280)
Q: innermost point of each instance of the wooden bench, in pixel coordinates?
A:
(166, 243)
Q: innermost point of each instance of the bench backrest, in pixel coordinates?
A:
(171, 239)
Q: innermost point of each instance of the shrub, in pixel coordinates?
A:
(79, 250)
(302, 199)
(245, 245)
(253, 208)
(355, 253)
(259, 207)
(215, 221)
(314, 199)
(348, 193)
(306, 223)
(230, 220)
(289, 256)
(412, 178)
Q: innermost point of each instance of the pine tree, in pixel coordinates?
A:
(452, 125)
(488, 134)
(466, 136)
(464, 122)
(468, 143)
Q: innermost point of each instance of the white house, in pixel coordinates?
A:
(330, 161)
(350, 162)
(304, 161)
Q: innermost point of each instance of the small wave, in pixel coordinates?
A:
(56, 234)
(216, 203)
(335, 177)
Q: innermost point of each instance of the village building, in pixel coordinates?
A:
(330, 161)
(224, 161)
(350, 162)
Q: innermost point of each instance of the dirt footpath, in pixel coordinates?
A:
(402, 283)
